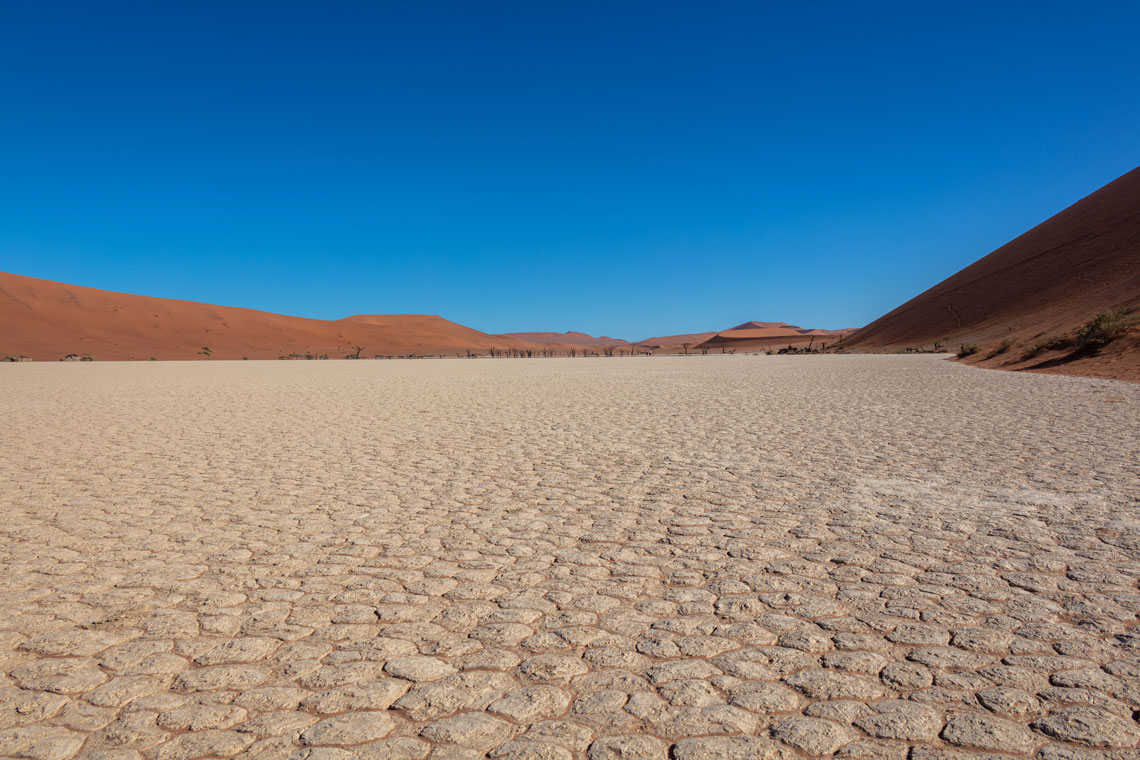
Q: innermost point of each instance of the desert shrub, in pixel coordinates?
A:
(1106, 327)
(967, 349)
(1051, 343)
(1001, 348)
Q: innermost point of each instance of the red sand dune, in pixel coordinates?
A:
(47, 320)
(1048, 282)
(763, 336)
(430, 330)
(750, 336)
(667, 342)
(567, 339)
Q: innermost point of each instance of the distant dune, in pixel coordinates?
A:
(48, 320)
(764, 336)
(750, 336)
(430, 330)
(1037, 290)
(667, 342)
(567, 339)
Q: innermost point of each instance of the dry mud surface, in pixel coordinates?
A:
(703, 557)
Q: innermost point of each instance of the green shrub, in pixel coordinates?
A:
(967, 349)
(1106, 327)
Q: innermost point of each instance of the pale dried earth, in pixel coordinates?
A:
(694, 557)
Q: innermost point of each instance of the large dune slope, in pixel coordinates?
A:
(1048, 282)
(47, 320)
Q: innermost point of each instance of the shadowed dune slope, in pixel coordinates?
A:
(1048, 282)
(47, 320)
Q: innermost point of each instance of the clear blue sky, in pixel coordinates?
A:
(628, 168)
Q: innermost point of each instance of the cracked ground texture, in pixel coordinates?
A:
(694, 557)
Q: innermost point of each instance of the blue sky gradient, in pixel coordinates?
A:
(628, 168)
